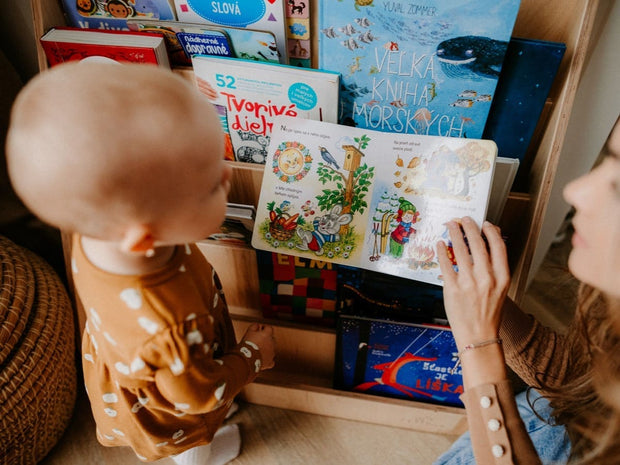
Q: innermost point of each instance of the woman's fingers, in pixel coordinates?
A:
(461, 251)
(445, 265)
(497, 250)
(477, 247)
(488, 258)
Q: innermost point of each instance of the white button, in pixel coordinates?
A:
(493, 425)
(497, 450)
(485, 402)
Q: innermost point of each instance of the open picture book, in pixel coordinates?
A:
(369, 199)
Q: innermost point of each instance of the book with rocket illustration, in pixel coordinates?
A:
(428, 69)
(369, 199)
(397, 359)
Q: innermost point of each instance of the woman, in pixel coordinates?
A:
(578, 373)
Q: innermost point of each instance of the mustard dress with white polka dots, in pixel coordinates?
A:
(161, 363)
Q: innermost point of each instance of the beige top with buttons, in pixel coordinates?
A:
(161, 363)
(537, 355)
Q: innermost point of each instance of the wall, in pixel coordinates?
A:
(17, 37)
(18, 63)
(596, 107)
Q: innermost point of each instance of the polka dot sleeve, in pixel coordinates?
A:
(191, 372)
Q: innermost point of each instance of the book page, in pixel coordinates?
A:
(366, 198)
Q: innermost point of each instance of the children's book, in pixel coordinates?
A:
(113, 14)
(245, 214)
(233, 232)
(503, 178)
(528, 74)
(394, 359)
(250, 94)
(376, 200)
(237, 226)
(73, 44)
(423, 68)
(187, 39)
(265, 15)
(298, 33)
(297, 289)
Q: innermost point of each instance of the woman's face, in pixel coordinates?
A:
(595, 257)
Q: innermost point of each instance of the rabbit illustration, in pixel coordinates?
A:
(325, 230)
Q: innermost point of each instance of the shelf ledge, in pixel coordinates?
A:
(312, 396)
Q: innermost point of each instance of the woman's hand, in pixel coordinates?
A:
(473, 296)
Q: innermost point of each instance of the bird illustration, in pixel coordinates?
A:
(285, 206)
(328, 157)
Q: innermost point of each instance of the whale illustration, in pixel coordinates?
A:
(471, 57)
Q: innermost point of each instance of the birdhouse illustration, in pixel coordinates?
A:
(350, 184)
(352, 157)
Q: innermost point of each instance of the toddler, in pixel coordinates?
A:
(129, 159)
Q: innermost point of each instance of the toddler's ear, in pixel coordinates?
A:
(138, 239)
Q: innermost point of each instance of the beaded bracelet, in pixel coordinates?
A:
(475, 345)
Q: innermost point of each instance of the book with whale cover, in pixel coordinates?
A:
(426, 68)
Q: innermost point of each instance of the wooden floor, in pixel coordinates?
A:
(282, 437)
(274, 437)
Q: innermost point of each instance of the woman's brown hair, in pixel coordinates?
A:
(588, 405)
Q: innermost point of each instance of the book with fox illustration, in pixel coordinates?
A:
(425, 68)
(370, 199)
(397, 359)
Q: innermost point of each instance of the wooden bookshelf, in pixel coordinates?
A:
(305, 360)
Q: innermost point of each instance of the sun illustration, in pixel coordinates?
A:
(291, 161)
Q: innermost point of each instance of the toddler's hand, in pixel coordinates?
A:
(262, 336)
(205, 88)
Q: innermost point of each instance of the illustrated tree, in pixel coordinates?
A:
(350, 185)
(474, 159)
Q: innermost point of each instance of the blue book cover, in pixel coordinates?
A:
(263, 15)
(528, 73)
(113, 14)
(428, 69)
(394, 359)
(186, 39)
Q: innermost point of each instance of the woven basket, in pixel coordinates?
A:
(37, 356)
(280, 234)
